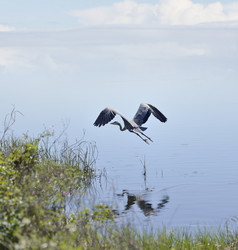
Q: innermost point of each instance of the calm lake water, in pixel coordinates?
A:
(191, 174)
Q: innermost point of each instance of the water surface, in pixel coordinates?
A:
(187, 177)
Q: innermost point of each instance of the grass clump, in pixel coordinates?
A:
(38, 177)
(35, 185)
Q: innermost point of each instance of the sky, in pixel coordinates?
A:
(58, 14)
(64, 61)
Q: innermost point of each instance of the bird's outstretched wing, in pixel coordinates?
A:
(105, 116)
(144, 112)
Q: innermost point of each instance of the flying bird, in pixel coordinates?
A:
(134, 126)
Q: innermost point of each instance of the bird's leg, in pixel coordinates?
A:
(140, 137)
(146, 136)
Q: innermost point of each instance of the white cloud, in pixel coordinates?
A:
(184, 12)
(166, 12)
(4, 28)
(126, 12)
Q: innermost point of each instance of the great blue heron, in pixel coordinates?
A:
(134, 126)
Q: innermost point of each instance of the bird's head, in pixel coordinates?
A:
(114, 123)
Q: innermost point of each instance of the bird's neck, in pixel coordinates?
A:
(122, 129)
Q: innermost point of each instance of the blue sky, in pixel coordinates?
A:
(66, 60)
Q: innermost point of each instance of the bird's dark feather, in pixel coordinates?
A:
(104, 117)
(157, 113)
(144, 112)
(142, 115)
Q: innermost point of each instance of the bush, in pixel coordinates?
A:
(36, 182)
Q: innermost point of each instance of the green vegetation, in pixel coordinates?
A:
(37, 179)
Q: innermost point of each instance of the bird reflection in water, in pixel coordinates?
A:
(145, 206)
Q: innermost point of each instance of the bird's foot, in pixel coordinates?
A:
(147, 137)
(146, 141)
